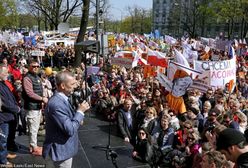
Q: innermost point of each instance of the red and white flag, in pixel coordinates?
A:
(156, 58)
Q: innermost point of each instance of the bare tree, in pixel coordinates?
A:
(138, 17)
(56, 11)
(191, 20)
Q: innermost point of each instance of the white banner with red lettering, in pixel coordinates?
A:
(220, 72)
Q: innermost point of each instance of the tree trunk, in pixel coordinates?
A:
(232, 25)
(229, 34)
(245, 29)
(46, 24)
(51, 26)
(56, 26)
(39, 23)
(242, 28)
(203, 26)
(83, 27)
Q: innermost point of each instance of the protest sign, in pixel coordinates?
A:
(201, 82)
(38, 53)
(124, 62)
(220, 72)
(221, 44)
(92, 70)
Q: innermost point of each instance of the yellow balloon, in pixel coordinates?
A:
(48, 71)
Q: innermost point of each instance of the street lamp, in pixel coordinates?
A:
(97, 25)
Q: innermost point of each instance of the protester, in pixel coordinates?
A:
(33, 99)
(143, 150)
(125, 121)
(62, 123)
(232, 144)
(128, 93)
(9, 109)
(149, 121)
(214, 159)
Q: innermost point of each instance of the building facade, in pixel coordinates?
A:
(170, 16)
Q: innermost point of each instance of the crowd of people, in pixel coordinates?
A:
(211, 130)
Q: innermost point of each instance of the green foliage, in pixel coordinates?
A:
(74, 21)
(229, 13)
(9, 14)
(2, 14)
(227, 10)
(27, 20)
(138, 21)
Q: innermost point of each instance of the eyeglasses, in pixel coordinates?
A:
(35, 66)
(149, 112)
(187, 127)
(142, 133)
(191, 138)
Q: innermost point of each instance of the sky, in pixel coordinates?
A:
(119, 7)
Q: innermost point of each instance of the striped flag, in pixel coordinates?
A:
(174, 66)
(156, 58)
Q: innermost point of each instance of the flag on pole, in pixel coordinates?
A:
(156, 58)
(181, 59)
(173, 67)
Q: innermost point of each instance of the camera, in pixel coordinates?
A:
(78, 96)
(211, 127)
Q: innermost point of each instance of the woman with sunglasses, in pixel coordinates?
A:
(193, 147)
(143, 149)
(149, 121)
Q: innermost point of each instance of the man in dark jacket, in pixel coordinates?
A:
(233, 145)
(125, 122)
(9, 108)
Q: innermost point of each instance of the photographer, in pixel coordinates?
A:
(80, 94)
(107, 105)
(210, 124)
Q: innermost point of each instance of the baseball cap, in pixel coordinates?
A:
(229, 137)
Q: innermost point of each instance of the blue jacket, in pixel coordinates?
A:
(9, 104)
(62, 123)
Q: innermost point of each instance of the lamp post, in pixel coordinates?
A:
(97, 25)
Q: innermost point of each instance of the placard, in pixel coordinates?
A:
(38, 53)
(220, 72)
(124, 62)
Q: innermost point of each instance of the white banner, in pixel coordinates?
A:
(202, 82)
(124, 62)
(38, 53)
(220, 72)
